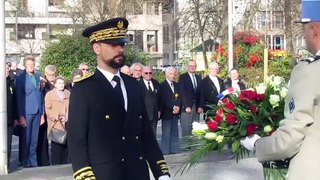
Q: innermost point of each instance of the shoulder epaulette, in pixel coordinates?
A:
(311, 59)
(84, 77)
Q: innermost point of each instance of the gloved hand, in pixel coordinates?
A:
(164, 177)
(249, 141)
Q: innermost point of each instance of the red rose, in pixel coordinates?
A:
(260, 97)
(253, 108)
(251, 128)
(231, 118)
(230, 106)
(212, 125)
(218, 118)
(219, 111)
(225, 100)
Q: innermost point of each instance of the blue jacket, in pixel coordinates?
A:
(29, 97)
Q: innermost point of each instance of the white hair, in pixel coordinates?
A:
(50, 68)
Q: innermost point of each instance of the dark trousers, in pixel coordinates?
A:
(43, 146)
(9, 141)
(154, 124)
(170, 136)
(59, 153)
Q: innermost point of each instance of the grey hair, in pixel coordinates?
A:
(170, 68)
(83, 64)
(134, 65)
(50, 68)
(213, 64)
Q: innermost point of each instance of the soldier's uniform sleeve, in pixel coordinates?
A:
(299, 114)
(77, 133)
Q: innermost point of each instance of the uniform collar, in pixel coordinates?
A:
(108, 74)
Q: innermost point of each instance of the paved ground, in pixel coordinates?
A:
(216, 166)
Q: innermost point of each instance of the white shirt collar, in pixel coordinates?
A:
(108, 74)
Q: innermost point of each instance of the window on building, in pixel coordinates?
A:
(152, 41)
(134, 7)
(275, 42)
(152, 8)
(278, 20)
(166, 33)
(26, 31)
(138, 39)
(56, 2)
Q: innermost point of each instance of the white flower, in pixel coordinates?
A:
(198, 128)
(261, 88)
(267, 129)
(219, 139)
(210, 135)
(283, 92)
(274, 100)
(277, 80)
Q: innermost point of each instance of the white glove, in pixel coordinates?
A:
(249, 142)
(164, 177)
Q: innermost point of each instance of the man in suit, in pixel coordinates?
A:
(150, 91)
(212, 86)
(12, 119)
(170, 111)
(189, 88)
(297, 137)
(30, 110)
(109, 134)
(234, 81)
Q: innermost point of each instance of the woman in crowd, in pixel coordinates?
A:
(56, 105)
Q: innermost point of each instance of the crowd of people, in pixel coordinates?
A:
(38, 103)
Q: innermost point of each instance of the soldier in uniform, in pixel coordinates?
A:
(298, 137)
(109, 136)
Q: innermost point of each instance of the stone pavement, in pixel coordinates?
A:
(215, 166)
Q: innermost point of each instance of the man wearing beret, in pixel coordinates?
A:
(109, 136)
(298, 137)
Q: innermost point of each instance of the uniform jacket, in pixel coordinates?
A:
(169, 99)
(11, 102)
(29, 97)
(54, 106)
(209, 93)
(151, 99)
(189, 96)
(298, 136)
(101, 131)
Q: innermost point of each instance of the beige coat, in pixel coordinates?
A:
(55, 106)
(298, 136)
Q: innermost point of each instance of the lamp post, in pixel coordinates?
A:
(230, 34)
(3, 97)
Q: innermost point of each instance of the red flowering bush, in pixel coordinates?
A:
(248, 51)
(252, 111)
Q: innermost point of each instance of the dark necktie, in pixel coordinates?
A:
(118, 90)
(172, 87)
(194, 82)
(149, 87)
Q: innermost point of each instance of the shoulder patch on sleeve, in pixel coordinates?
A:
(83, 78)
(291, 105)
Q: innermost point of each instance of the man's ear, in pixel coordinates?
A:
(96, 48)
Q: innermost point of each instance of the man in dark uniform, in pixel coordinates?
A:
(109, 136)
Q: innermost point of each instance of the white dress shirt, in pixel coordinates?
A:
(215, 81)
(146, 83)
(109, 77)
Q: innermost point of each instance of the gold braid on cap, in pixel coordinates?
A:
(109, 33)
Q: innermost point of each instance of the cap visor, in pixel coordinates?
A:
(115, 41)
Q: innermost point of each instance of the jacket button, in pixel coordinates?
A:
(140, 117)
(107, 117)
(137, 137)
(141, 158)
(123, 138)
(122, 159)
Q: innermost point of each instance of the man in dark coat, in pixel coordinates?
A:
(189, 88)
(151, 93)
(170, 112)
(212, 86)
(109, 136)
(12, 119)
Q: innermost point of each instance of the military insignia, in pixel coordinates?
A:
(120, 25)
(84, 77)
(291, 105)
